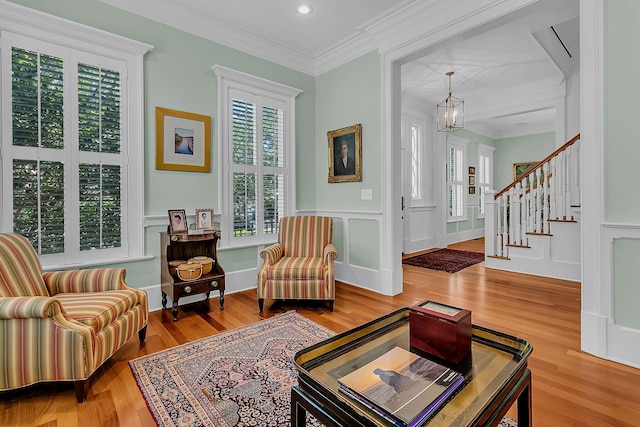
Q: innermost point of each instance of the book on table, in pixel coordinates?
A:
(401, 387)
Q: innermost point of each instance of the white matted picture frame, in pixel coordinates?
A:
(178, 221)
(183, 141)
(204, 219)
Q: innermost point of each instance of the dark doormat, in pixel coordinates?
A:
(449, 260)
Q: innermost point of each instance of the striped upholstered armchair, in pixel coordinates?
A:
(61, 326)
(300, 265)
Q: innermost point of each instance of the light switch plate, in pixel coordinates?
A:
(366, 194)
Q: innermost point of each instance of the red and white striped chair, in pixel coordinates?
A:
(61, 326)
(300, 265)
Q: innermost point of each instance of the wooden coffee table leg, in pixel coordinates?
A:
(524, 403)
(298, 413)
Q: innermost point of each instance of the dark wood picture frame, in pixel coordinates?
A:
(349, 170)
(472, 170)
(178, 221)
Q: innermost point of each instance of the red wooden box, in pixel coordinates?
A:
(441, 330)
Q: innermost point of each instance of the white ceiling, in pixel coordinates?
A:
(509, 77)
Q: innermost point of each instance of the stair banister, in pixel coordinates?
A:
(547, 192)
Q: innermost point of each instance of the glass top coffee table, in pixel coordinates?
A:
(496, 376)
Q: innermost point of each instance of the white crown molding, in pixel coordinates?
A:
(26, 21)
(343, 52)
(408, 25)
(216, 31)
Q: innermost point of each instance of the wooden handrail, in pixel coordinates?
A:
(546, 159)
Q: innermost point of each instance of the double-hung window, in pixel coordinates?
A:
(485, 174)
(456, 162)
(70, 166)
(257, 139)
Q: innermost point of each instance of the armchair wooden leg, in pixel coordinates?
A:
(331, 305)
(142, 334)
(82, 389)
(261, 304)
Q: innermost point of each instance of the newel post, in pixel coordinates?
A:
(490, 222)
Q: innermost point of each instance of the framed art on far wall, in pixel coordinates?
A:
(520, 169)
(183, 141)
(345, 154)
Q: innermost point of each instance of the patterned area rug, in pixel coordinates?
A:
(242, 377)
(449, 260)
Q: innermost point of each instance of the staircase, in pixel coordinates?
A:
(532, 226)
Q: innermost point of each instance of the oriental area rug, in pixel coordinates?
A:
(242, 377)
(449, 260)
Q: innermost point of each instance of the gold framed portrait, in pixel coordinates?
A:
(345, 154)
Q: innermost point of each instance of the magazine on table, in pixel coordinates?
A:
(402, 387)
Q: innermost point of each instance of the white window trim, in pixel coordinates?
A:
(459, 143)
(229, 80)
(19, 20)
(486, 151)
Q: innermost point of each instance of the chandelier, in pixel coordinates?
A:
(450, 112)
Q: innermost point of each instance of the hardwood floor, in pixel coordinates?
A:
(570, 388)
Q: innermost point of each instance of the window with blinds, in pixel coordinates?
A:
(455, 178)
(257, 133)
(485, 172)
(72, 101)
(42, 156)
(258, 166)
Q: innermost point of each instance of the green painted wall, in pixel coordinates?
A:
(622, 151)
(345, 96)
(621, 90)
(531, 148)
(626, 292)
(178, 75)
(363, 236)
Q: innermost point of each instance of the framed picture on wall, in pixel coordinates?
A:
(472, 170)
(345, 154)
(520, 169)
(472, 180)
(472, 190)
(183, 141)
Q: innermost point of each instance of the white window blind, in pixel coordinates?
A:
(68, 182)
(258, 166)
(485, 173)
(455, 180)
(257, 134)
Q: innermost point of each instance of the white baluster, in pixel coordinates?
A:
(552, 188)
(569, 180)
(545, 197)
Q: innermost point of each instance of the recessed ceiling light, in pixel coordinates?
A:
(304, 9)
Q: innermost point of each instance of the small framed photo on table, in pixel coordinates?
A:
(204, 219)
(177, 221)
